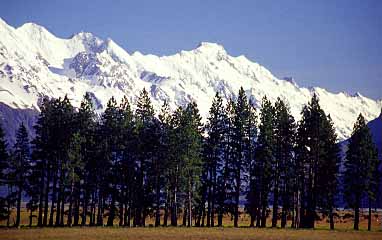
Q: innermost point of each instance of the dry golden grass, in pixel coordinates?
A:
(116, 233)
(343, 231)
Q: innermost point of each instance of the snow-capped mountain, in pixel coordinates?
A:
(34, 63)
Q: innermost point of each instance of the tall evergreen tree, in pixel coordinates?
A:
(240, 149)
(4, 160)
(214, 153)
(252, 205)
(164, 155)
(309, 152)
(85, 188)
(146, 130)
(283, 165)
(127, 163)
(328, 169)
(19, 167)
(110, 130)
(74, 166)
(360, 164)
(265, 155)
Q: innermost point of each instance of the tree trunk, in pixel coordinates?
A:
(275, 206)
(258, 217)
(121, 216)
(54, 197)
(59, 200)
(100, 211)
(157, 195)
(253, 218)
(284, 216)
(356, 218)
(62, 209)
(165, 217)
(264, 216)
(185, 214)
(46, 201)
(174, 213)
(209, 206)
(110, 219)
(189, 203)
(220, 217)
(84, 207)
(30, 217)
(17, 224)
(76, 211)
(127, 215)
(237, 199)
(369, 217)
(331, 219)
(69, 220)
(41, 199)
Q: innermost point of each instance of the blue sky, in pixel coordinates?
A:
(335, 44)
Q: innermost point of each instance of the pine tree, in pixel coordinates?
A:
(252, 193)
(19, 167)
(265, 155)
(309, 152)
(185, 161)
(191, 129)
(42, 158)
(110, 130)
(360, 166)
(283, 165)
(63, 128)
(4, 160)
(227, 194)
(240, 147)
(214, 149)
(85, 128)
(147, 141)
(328, 169)
(74, 166)
(127, 163)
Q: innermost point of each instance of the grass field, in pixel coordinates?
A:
(181, 233)
(343, 231)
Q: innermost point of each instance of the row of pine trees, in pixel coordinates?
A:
(128, 165)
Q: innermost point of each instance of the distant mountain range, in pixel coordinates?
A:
(35, 63)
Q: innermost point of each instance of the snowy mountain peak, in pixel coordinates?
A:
(35, 63)
(210, 48)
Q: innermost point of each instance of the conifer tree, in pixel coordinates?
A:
(4, 160)
(328, 169)
(42, 157)
(240, 149)
(85, 127)
(191, 156)
(147, 141)
(110, 130)
(164, 156)
(265, 155)
(252, 193)
(309, 152)
(127, 164)
(360, 165)
(283, 165)
(19, 167)
(214, 153)
(74, 166)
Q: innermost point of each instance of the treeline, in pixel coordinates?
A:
(127, 165)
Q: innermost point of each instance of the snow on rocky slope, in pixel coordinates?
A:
(34, 63)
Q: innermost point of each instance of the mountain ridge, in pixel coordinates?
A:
(34, 63)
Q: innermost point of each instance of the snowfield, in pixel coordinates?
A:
(34, 63)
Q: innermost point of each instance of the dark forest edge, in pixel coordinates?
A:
(128, 164)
